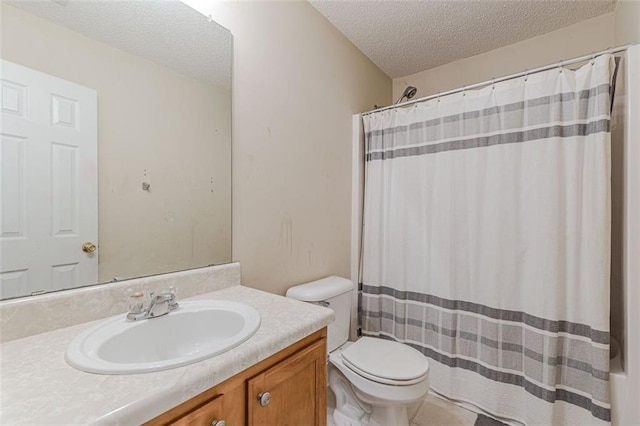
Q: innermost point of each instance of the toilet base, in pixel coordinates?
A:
(352, 411)
(399, 419)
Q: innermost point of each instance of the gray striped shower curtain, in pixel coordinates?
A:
(486, 242)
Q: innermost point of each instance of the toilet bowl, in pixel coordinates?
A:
(375, 381)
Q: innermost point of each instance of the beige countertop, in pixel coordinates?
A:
(37, 386)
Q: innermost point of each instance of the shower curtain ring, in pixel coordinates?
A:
(526, 74)
(493, 83)
(463, 92)
(560, 65)
(438, 97)
(593, 58)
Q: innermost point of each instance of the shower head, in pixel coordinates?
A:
(408, 93)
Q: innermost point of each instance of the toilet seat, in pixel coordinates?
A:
(386, 362)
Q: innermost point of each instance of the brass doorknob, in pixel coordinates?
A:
(88, 247)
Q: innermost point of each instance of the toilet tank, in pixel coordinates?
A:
(335, 291)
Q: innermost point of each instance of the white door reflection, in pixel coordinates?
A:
(49, 183)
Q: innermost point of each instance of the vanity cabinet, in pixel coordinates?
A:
(288, 388)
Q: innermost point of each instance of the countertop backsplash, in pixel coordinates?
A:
(38, 314)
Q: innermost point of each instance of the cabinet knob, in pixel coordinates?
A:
(218, 423)
(264, 398)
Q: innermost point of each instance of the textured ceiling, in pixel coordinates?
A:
(405, 37)
(166, 32)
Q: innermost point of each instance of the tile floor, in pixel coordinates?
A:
(435, 411)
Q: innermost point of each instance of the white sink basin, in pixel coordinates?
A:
(196, 331)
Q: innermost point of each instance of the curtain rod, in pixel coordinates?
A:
(508, 77)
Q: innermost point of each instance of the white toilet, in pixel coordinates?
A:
(375, 381)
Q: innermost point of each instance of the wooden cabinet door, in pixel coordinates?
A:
(206, 414)
(297, 388)
(228, 408)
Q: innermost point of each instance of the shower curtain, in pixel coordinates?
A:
(486, 242)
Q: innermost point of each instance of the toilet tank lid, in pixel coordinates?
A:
(319, 290)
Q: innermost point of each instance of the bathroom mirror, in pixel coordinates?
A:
(116, 142)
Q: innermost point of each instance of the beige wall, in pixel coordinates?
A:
(153, 119)
(627, 22)
(566, 43)
(297, 81)
(627, 31)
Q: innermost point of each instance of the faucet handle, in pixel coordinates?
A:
(170, 295)
(136, 302)
(173, 304)
(168, 292)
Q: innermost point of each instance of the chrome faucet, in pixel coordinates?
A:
(159, 305)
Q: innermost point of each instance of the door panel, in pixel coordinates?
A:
(14, 206)
(205, 415)
(49, 182)
(293, 385)
(228, 407)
